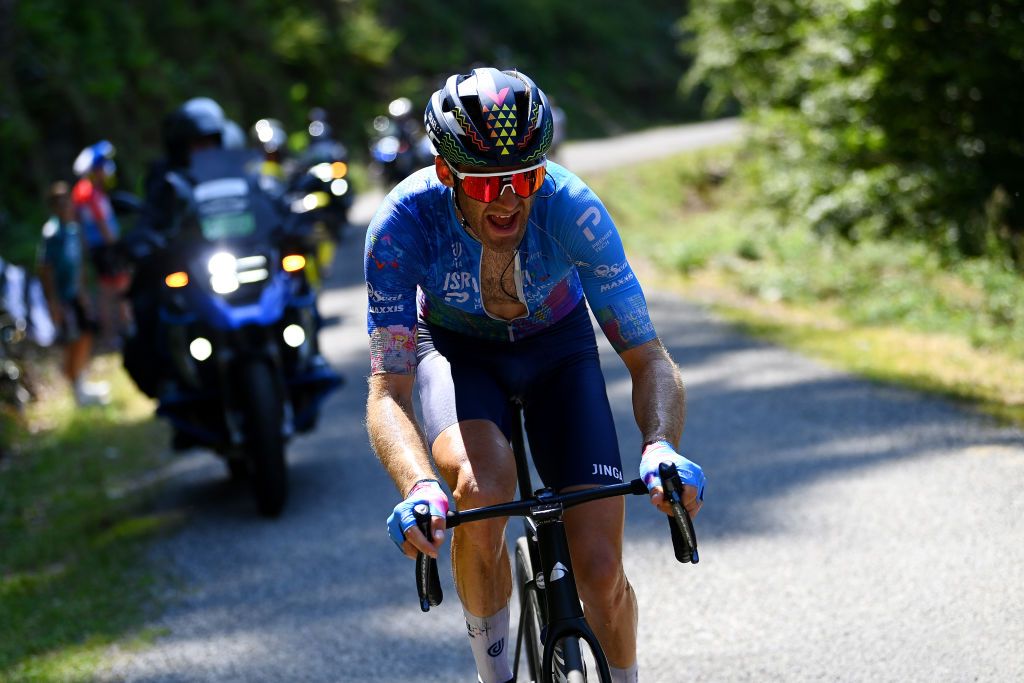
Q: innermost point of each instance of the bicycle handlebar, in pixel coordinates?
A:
(684, 540)
(521, 508)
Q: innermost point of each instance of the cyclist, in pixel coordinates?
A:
(477, 269)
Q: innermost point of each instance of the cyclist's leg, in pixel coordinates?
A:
(462, 407)
(574, 445)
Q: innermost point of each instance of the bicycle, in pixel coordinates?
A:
(551, 623)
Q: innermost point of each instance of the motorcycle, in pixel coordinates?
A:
(320, 189)
(399, 145)
(239, 326)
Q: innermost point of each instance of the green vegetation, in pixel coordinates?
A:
(891, 310)
(879, 119)
(73, 73)
(74, 517)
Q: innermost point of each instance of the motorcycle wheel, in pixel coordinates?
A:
(262, 413)
(238, 469)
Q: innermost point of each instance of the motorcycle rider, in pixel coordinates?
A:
(196, 125)
(409, 148)
(272, 138)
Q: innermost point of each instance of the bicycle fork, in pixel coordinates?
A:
(564, 614)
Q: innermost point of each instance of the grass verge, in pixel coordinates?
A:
(891, 311)
(75, 515)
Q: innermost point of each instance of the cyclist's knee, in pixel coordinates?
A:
(472, 491)
(601, 580)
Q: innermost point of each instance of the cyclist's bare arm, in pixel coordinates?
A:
(659, 404)
(659, 399)
(398, 441)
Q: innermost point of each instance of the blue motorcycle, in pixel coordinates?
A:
(239, 325)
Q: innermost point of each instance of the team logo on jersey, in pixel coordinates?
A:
(588, 222)
(377, 297)
(458, 285)
(609, 286)
(610, 270)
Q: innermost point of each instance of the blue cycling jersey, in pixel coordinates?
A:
(417, 250)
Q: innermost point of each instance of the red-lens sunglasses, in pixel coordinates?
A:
(486, 187)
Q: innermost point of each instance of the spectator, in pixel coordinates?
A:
(61, 272)
(95, 168)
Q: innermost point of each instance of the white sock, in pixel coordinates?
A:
(488, 638)
(627, 675)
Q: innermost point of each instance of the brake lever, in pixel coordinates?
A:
(684, 539)
(428, 584)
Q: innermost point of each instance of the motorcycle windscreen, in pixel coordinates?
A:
(230, 206)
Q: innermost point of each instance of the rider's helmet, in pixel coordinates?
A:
(400, 108)
(270, 135)
(489, 118)
(233, 137)
(198, 122)
(95, 157)
(319, 128)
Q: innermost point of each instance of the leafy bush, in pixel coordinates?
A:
(879, 117)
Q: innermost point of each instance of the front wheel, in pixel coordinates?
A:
(568, 661)
(262, 405)
(530, 614)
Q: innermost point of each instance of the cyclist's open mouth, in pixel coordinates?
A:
(503, 223)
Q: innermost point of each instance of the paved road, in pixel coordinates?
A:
(852, 532)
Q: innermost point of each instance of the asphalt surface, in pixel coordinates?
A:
(851, 532)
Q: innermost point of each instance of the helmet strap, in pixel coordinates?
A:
(460, 214)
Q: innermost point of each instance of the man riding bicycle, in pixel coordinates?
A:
(477, 270)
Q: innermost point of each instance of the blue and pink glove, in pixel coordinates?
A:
(428, 491)
(658, 452)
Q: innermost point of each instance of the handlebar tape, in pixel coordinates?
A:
(428, 585)
(684, 539)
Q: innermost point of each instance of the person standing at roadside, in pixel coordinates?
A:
(61, 272)
(95, 168)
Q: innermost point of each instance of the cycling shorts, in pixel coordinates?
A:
(557, 376)
(77, 322)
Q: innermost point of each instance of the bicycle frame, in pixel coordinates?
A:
(554, 583)
(549, 550)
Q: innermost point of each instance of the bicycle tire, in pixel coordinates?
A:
(569, 666)
(530, 616)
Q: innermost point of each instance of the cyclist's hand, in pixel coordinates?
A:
(402, 522)
(690, 474)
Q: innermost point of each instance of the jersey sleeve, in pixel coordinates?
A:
(609, 284)
(392, 265)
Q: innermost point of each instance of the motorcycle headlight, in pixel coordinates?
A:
(322, 172)
(294, 336)
(200, 348)
(388, 145)
(222, 263)
(223, 269)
